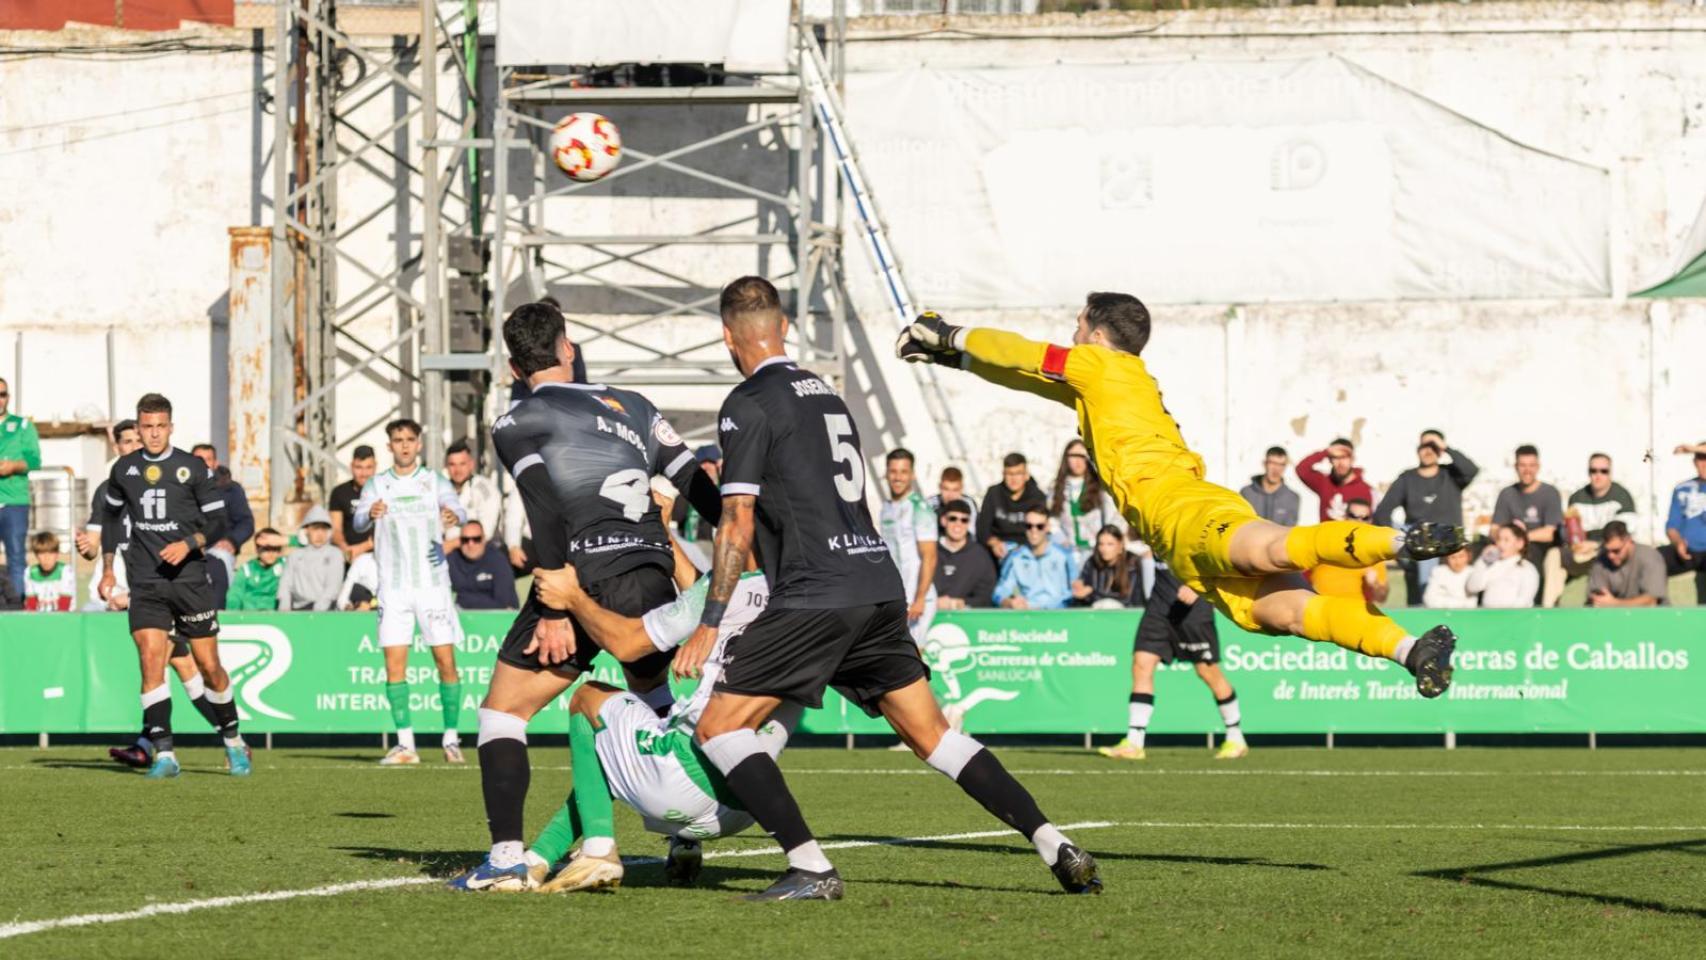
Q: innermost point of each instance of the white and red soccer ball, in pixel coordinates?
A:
(587, 146)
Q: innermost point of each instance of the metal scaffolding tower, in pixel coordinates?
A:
(350, 120)
(641, 304)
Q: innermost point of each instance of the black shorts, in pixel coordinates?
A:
(630, 594)
(863, 652)
(185, 606)
(1176, 631)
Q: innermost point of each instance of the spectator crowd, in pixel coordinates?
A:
(1017, 546)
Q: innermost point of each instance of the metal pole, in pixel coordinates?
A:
(432, 318)
(500, 230)
(283, 278)
(471, 61)
(112, 380)
(810, 346)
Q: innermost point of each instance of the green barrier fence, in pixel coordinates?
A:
(1519, 671)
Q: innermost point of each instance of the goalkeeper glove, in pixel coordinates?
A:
(929, 339)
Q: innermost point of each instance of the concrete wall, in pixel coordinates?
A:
(121, 177)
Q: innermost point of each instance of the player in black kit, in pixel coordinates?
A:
(170, 511)
(794, 481)
(583, 457)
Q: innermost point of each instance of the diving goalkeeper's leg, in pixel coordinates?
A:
(1260, 547)
(1286, 604)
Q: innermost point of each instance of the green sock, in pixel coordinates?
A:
(398, 694)
(560, 834)
(592, 791)
(451, 696)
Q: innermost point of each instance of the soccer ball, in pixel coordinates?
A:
(587, 146)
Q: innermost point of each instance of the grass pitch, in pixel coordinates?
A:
(1292, 852)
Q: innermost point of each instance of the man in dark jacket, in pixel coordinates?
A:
(480, 578)
(1430, 491)
(1001, 520)
(1267, 492)
(965, 576)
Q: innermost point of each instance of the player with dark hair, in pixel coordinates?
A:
(1248, 568)
(416, 520)
(793, 485)
(170, 511)
(583, 457)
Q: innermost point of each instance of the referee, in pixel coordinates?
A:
(794, 481)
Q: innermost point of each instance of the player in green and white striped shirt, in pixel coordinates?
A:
(410, 508)
(621, 748)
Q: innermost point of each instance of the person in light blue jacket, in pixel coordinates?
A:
(1685, 527)
(1038, 577)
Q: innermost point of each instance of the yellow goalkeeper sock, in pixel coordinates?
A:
(1352, 624)
(1341, 543)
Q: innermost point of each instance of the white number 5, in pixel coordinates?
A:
(840, 434)
(630, 488)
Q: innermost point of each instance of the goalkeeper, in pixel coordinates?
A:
(1251, 570)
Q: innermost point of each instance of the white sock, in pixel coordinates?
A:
(1047, 840)
(534, 860)
(1229, 715)
(195, 687)
(406, 737)
(166, 753)
(1402, 653)
(809, 856)
(1141, 711)
(598, 846)
(452, 738)
(507, 854)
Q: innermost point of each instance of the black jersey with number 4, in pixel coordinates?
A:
(788, 440)
(583, 457)
(152, 502)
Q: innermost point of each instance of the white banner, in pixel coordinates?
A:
(742, 34)
(1232, 181)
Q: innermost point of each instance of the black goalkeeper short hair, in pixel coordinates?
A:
(1121, 317)
(153, 403)
(531, 334)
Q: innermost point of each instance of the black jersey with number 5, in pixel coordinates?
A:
(151, 502)
(789, 440)
(583, 457)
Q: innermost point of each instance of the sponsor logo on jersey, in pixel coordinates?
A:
(183, 474)
(133, 472)
(152, 474)
(504, 421)
(728, 425)
(613, 404)
(665, 433)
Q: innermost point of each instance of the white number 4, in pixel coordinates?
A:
(630, 488)
(840, 445)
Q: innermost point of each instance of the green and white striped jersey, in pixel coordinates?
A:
(409, 539)
(670, 625)
(905, 523)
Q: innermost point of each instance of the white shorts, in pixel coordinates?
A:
(431, 611)
(651, 767)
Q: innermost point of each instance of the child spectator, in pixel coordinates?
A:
(361, 583)
(1448, 588)
(49, 586)
(255, 587)
(316, 571)
(1504, 577)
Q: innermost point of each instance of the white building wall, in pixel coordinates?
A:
(119, 178)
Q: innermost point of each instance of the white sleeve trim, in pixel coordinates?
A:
(531, 460)
(215, 505)
(679, 462)
(740, 489)
(116, 503)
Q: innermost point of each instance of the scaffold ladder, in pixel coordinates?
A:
(814, 72)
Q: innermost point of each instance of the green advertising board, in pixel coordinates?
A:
(1565, 671)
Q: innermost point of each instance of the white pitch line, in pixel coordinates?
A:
(190, 906)
(1048, 772)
